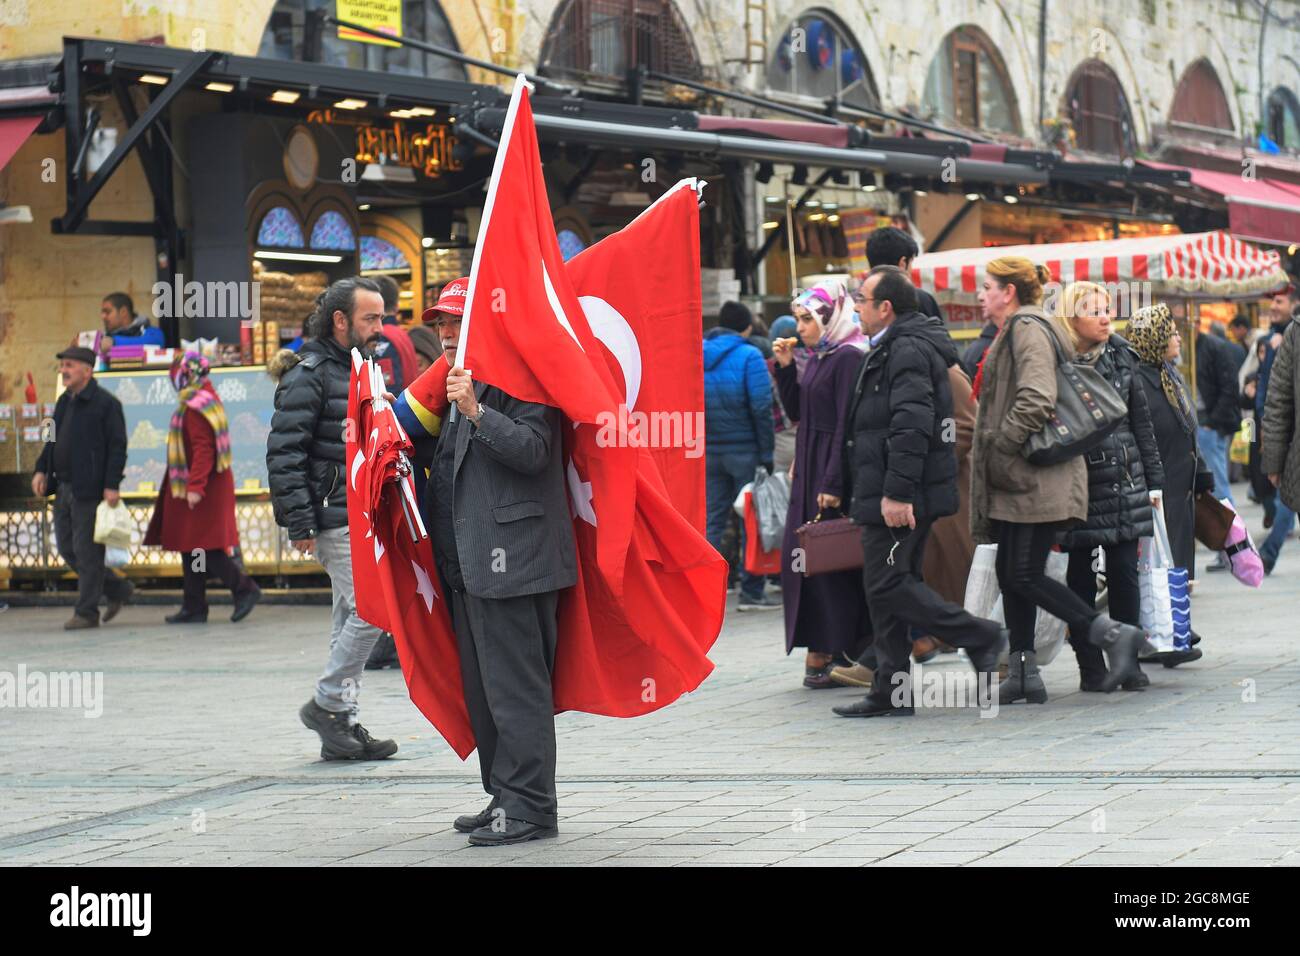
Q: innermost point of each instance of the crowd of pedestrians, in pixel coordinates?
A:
(915, 439)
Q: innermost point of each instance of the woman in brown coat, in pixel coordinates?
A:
(1021, 506)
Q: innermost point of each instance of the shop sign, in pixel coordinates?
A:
(427, 149)
(382, 15)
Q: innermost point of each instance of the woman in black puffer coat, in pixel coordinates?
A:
(1122, 473)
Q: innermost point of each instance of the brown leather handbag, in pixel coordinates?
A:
(829, 544)
(1213, 521)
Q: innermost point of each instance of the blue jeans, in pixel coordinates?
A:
(1214, 449)
(1283, 523)
(725, 474)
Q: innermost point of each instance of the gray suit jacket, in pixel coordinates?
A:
(514, 534)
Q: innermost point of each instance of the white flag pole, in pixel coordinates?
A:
(507, 129)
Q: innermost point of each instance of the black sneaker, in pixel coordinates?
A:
(371, 749)
(764, 602)
(335, 734)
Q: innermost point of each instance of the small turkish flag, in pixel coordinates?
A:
(395, 581)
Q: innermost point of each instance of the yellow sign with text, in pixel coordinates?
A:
(382, 15)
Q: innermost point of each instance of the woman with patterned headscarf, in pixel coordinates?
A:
(1155, 338)
(195, 510)
(826, 613)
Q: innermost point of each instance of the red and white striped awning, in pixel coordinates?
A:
(1206, 264)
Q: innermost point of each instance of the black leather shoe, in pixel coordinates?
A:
(985, 659)
(335, 734)
(113, 607)
(866, 707)
(511, 831)
(245, 603)
(472, 821)
(1138, 681)
(188, 617)
(1174, 658)
(371, 749)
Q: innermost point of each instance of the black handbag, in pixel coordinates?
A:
(1087, 410)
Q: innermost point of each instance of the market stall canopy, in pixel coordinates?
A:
(1260, 209)
(1206, 264)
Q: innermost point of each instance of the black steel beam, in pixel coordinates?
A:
(86, 192)
(288, 74)
(112, 227)
(150, 159)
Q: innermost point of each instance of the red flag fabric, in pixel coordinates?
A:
(396, 582)
(645, 308)
(640, 290)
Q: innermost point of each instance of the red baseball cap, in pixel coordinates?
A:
(451, 301)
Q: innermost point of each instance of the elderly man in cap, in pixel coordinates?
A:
(82, 465)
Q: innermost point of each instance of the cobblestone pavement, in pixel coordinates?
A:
(199, 759)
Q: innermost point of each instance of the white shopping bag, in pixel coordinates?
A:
(984, 599)
(1155, 560)
(113, 525)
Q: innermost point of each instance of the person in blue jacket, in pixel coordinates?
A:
(739, 431)
(117, 312)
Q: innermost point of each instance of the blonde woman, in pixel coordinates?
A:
(1021, 506)
(1122, 472)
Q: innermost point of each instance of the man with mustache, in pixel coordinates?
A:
(306, 464)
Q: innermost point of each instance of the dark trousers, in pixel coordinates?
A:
(899, 599)
(216, 564)
(74, 535)
(725, 473)
(507, 656)
(1124, 597)
(1022, 575)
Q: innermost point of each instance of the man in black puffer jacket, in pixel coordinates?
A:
(305, 461)
(902, 456)
(1218, 409)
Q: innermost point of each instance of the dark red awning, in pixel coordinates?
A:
(14, 131)
(1262, 210)
(823, 134)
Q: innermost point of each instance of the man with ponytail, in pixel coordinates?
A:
(305, 462)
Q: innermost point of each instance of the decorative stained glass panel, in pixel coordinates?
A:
(379, 253)
(332, 232)
(280, 228)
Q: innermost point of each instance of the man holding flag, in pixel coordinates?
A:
(574, 582)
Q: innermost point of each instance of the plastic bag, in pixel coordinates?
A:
(771, 503)
(758, 560)
(116, 557)
(1240, 553)
(984, 599)
(114, 525)
(1165, 612)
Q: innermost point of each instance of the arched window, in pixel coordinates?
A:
(606, 38)
(332, 231)
(381, 255)
(968, 84)
(1283, 112)
(1098, 110)
(817, 57)
(1199, 99)
(280, 228)
(289, 36)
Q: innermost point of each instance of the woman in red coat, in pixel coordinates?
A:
(195, 511)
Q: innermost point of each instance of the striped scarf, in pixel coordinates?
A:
(194, 391)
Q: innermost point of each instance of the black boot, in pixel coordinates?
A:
(336, 735)
(1092, 666)
(1023, 680)
(244, 603)
(1136, 681)
(371, 749)
(383, 654)
(1121, 643)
